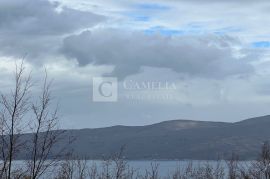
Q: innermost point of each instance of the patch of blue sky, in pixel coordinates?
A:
(152, 6)
(144, 11)
(203, 27)
(261, 44)
(163, 31)
(141, 18)
(194, 28)
(138, 17)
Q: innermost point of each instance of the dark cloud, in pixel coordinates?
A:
(207, 56)
(36, 27)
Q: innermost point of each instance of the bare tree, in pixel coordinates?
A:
(14, 107)
(233, 166)
(76, 169)
(120, 164)
(153, 173)
(261, 167)
(265, 159)
(46, 133)
(20, 112)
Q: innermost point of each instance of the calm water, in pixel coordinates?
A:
(164, 167)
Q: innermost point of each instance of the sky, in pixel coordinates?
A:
(172, 59)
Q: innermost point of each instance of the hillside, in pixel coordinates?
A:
(177, 139)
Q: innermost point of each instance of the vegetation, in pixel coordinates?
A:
(22, 112)
(118, 168)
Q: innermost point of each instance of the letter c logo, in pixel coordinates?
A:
(101, 88)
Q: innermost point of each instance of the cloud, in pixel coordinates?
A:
(39, 17)
(164, 31)
(36, 27)
(199, 56)
(152, 6)
(213, 1)
(151, 40)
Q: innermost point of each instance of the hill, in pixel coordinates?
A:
(177, 139)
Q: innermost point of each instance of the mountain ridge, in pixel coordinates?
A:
(177, 139)
(170, 140)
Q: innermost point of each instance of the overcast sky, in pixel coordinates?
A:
(214, 55)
